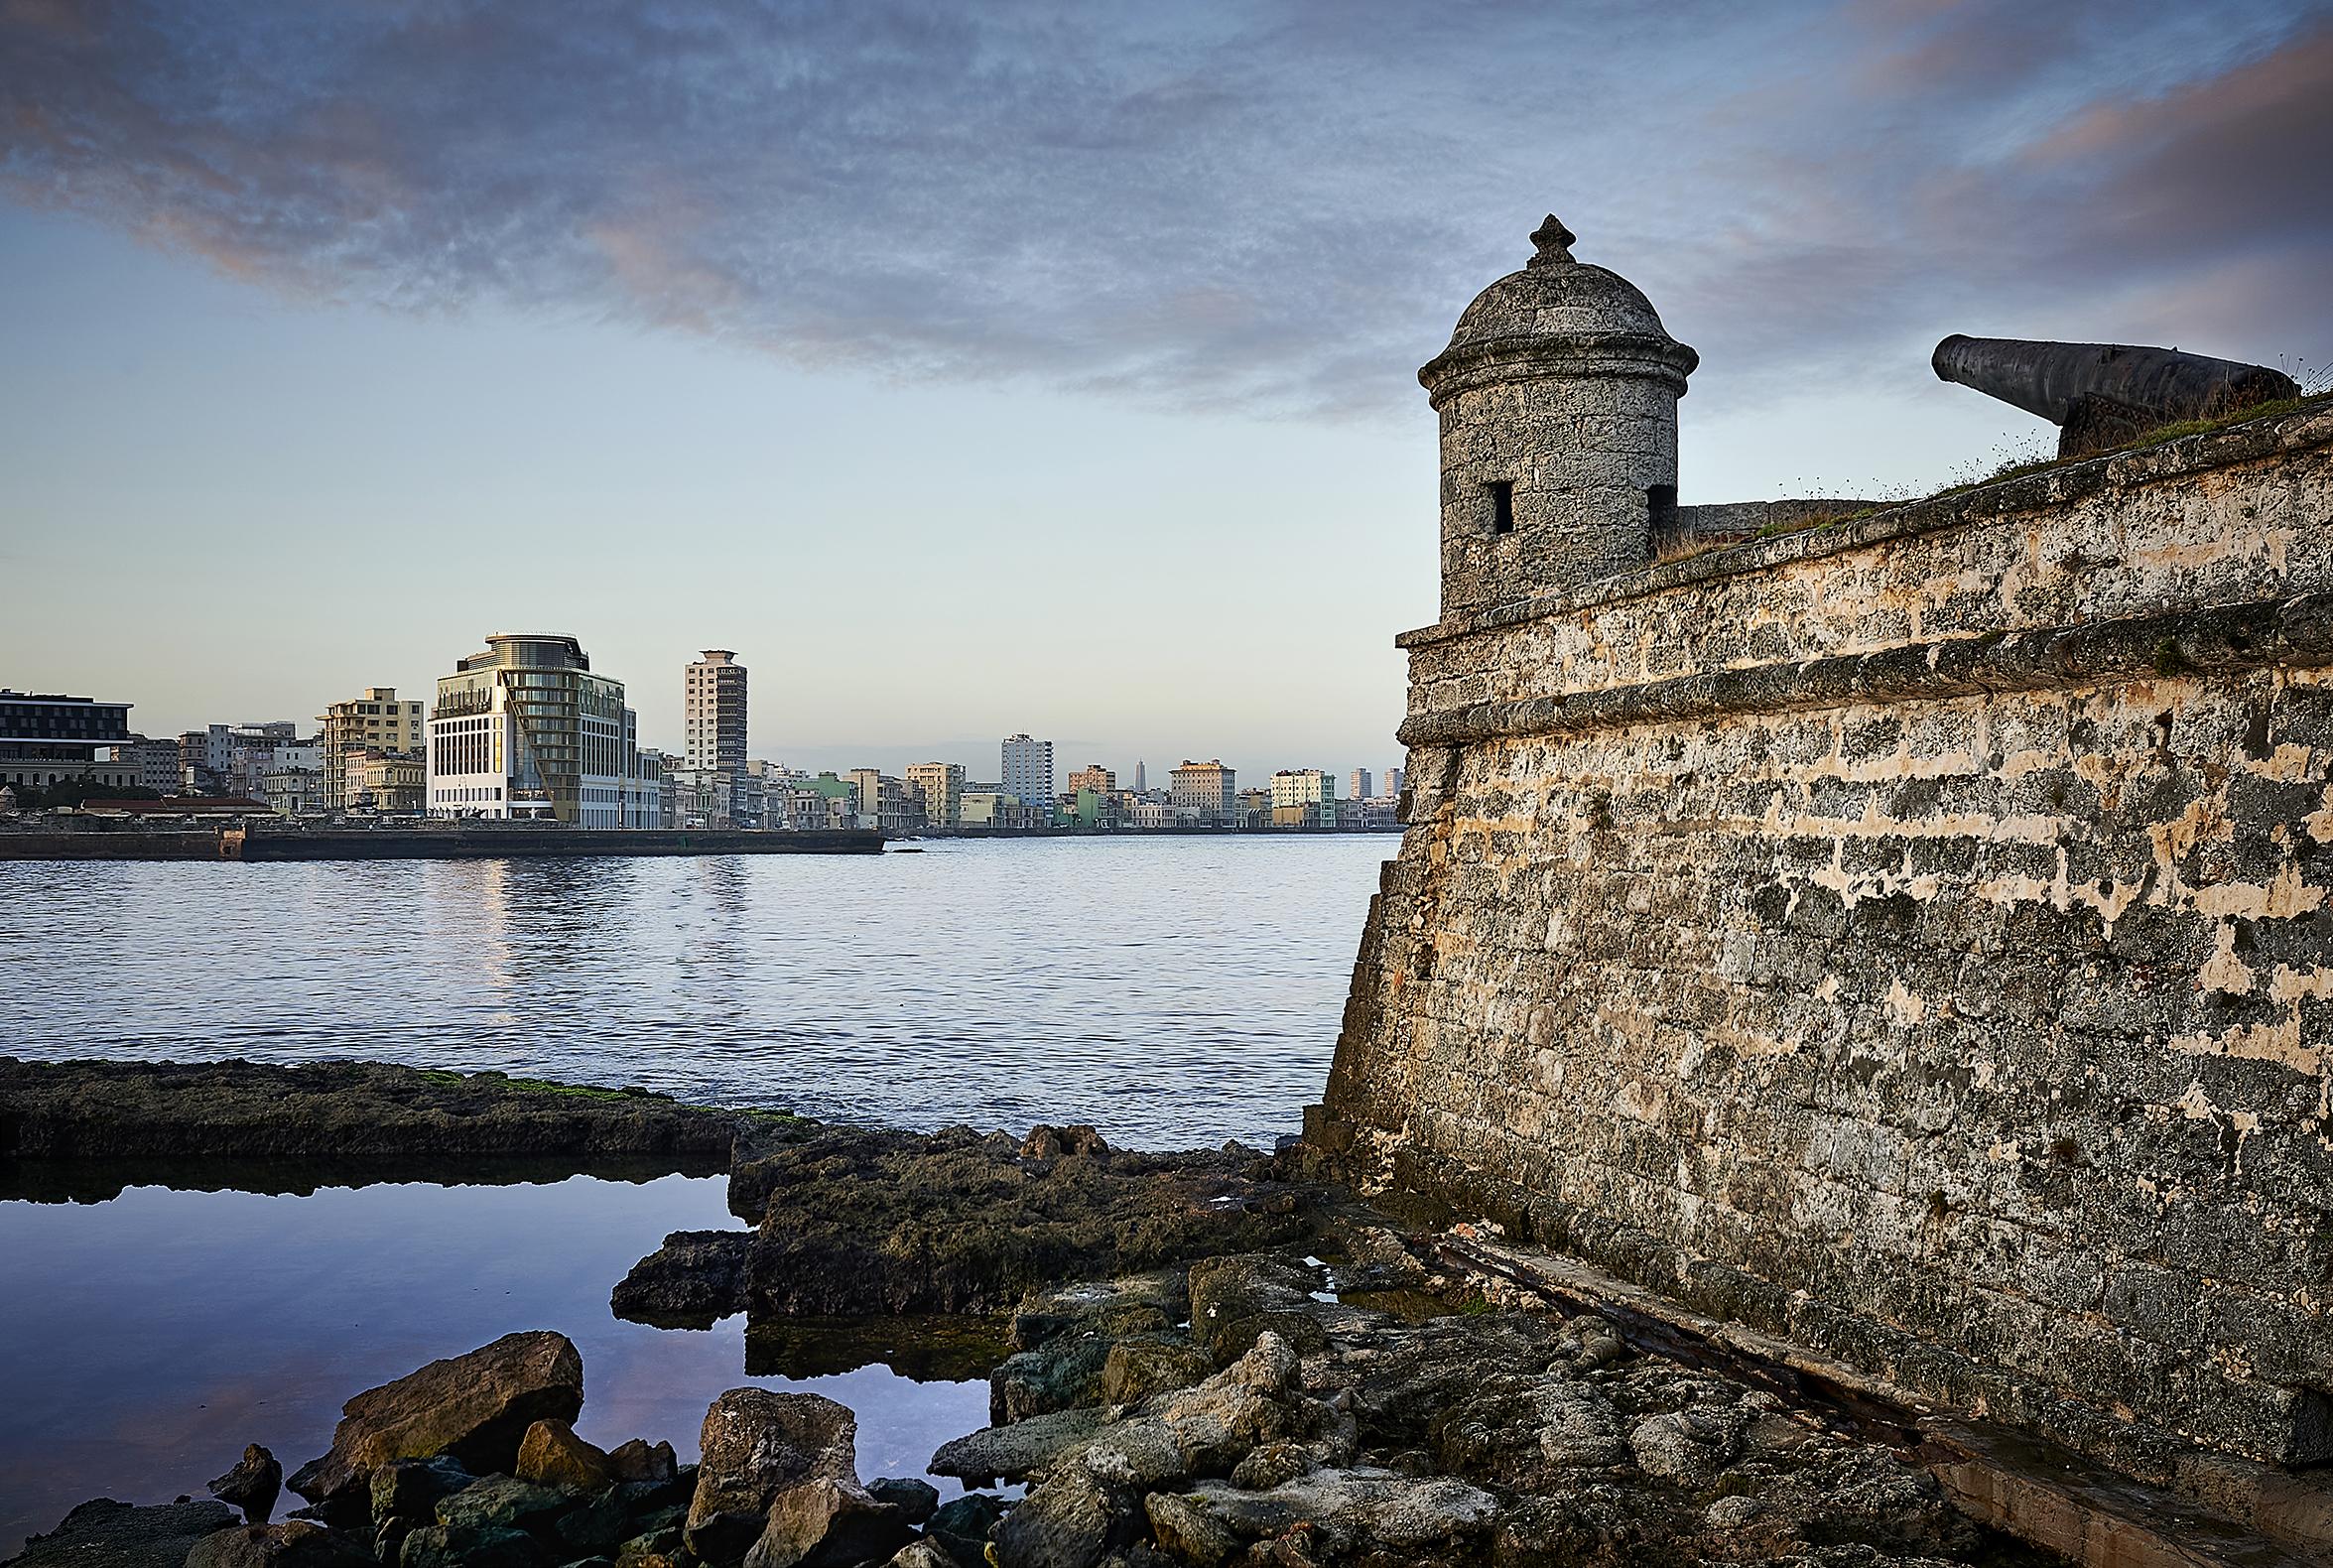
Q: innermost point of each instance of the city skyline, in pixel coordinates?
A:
(329, 406)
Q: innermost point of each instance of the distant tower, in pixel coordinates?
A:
(1141, 778)
(1028, 770)
(1558, 395)
(1360, 786)
(715, 710)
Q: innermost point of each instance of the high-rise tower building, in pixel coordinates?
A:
(714, 712)
(1028, 770)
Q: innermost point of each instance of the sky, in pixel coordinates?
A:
(1020, 366)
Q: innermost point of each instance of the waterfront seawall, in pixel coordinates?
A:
(423, 843)
(1909, 938)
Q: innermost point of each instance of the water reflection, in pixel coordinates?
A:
(145, 1340)
(1174, 992)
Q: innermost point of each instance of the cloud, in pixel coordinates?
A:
(1275, 208)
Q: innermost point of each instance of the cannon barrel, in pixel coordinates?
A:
(2054, 380)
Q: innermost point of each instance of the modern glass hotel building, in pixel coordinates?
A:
(526, 732)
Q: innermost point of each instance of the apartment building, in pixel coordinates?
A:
(378, 721)
(940, 784)
(1207, 790)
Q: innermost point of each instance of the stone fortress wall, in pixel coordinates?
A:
(1910, 938)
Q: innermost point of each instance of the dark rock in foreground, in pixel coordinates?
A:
(474, 1410)
(117, 1535)
(756, 1446)
(252, 1484)
(1326, 1434)
(294, 1543)
(864, 1220)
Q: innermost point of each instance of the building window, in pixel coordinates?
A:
(1503, 505)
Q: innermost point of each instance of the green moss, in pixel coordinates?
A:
(541, 1086)
(494, 1077)
(2170, 659)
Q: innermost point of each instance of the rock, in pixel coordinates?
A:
(252, 1484)
(501, 1503)
(916, 1500)
(755, 1445)
(550, 1455)
(693, 1281)
(470, 1546)
(1065, 1374)
(922, 1554)
(1013, 1452)
(1137, 1368)
(1395, 1518)
(1377, 1259)
(1142, 1304)
(1233, 1299)
(1689, 1447)
(399, 1122)
(1071, 1142)
(408, 1489)
(870, 1220)
(601, 1521)
(827, 1523)
(474, 1408)
(640, 1460)
(960, 1526)
(659, 1548)
(118, 1535)
(1145, 1451)
(294, 1543)
(1520, 1427)
(1270, 1465)
(1072, 1521)
(1187, 1531)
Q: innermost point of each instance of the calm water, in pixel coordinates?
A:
(145, 1340)
(1174, 992)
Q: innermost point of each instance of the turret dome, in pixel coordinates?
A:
(1563, 315)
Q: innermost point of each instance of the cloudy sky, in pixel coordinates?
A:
(981, 368)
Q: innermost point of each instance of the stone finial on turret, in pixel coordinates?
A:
(1554, 243)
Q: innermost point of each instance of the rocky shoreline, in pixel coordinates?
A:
(1212, 1358)
(1242, 1410)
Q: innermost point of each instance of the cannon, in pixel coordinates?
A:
(2103, 395)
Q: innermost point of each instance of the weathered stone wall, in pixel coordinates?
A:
(1910, 937)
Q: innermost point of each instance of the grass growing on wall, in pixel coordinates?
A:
(2019, 467)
